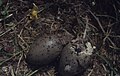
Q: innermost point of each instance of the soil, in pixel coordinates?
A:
(18, 31)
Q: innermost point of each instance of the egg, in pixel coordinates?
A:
(74, 61)
(44, 50)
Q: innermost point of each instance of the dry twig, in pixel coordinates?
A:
(99, 23)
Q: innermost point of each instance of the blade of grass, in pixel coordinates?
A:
(12, 72)
(10, 58)
(12, 27)
(31, 74)
(107, 62)
(1, 2)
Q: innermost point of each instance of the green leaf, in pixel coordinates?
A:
(0, 2)
(5, 11)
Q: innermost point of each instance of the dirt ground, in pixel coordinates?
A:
(21, 22)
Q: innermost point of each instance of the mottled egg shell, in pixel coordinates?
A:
(44, 50)
(71, 63)
(68, 64)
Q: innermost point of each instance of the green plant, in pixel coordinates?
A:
(0, 2)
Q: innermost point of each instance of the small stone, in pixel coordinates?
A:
(5, 69)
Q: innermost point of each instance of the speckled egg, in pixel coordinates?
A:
(72, 61)
(44, 50)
